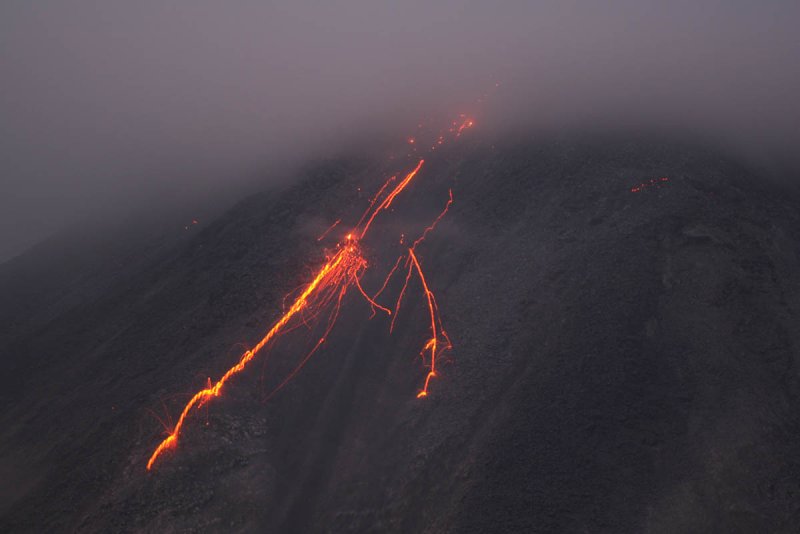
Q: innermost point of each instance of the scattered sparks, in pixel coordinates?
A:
(653, 183)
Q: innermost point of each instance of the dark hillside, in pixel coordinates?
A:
(624, 361)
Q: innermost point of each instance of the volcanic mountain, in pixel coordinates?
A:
(625, 322)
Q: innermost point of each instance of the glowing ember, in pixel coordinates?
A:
(468, 123)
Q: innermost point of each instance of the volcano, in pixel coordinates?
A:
(625, 347)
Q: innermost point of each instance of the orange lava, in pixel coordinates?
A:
(433, 343)
(391, 196)
(468, 123)
(343, 270)
(435, 222)
(340, 271)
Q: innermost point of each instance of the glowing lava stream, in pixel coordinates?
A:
(343, 270)
(345, 257)
(433, 341)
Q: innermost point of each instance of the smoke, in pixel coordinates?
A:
(108, 106)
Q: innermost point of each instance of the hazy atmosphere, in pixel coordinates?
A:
(107, 106)
(433, 267)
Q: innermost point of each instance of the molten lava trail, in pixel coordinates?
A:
(433, 342)
(343, 270)
(391, 196)
(340, 269)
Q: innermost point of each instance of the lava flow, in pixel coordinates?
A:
(339, 272)
(344, 269)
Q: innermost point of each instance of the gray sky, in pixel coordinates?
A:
(108, 104)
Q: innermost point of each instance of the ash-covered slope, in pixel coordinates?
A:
(623, 362)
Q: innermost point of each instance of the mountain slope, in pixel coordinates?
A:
(624, 361)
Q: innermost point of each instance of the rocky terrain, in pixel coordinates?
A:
(625, 359)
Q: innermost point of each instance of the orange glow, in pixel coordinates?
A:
(388, 276)
(375, 199)
(324, 294)
(433, 342)
(343, 269)
(468, 123)
(339, 271)
(370, 300)
(390, 198)
(401, 295)
(435, 222)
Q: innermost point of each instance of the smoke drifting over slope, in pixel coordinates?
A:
(108, 106)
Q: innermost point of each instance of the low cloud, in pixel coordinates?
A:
(109, 105)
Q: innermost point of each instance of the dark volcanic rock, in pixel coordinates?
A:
(624, 362)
